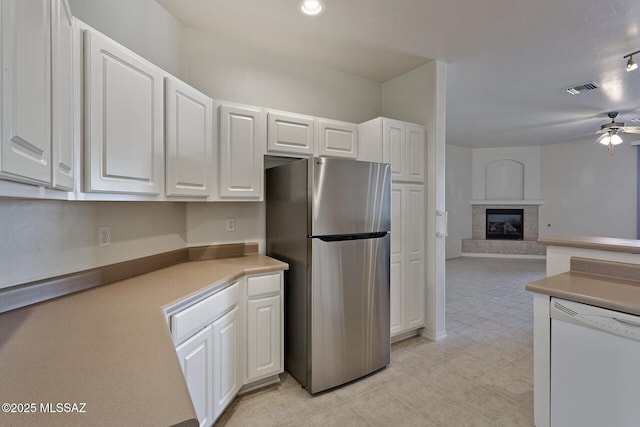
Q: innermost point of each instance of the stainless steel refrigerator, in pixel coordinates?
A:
(330, 220)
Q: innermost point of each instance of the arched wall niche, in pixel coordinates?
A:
(504, 180)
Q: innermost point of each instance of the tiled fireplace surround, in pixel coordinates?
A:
(478, 244)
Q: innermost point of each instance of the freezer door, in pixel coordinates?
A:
(348, 197)
(349, 310)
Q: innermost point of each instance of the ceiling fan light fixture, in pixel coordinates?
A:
(631, 64)
(311, 7)
(610, 138)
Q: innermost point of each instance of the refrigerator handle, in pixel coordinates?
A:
(343, 237)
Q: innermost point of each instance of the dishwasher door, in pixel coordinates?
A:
(595, 366)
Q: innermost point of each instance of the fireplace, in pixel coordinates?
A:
(505, 224)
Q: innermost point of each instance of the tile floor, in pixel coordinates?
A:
(480, 375)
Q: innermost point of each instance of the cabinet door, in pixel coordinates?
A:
(189, 140)
(25, 151)
(337, 139)
(124, 119)
(394, 143)
(196, 360)
(290, 134)
(62, 81)
(415, 137)
(240, 159)
(397, 258)
(227, 360)
(264, 337)
(415, 259)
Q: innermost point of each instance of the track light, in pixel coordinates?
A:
(631, 65)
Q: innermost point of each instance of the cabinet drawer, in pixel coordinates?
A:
(258, 286)
(204, 312)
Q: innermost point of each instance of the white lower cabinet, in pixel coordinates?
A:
(227, 358)
(195, 357)
(264, 332)
(235, 340)
(408, 280)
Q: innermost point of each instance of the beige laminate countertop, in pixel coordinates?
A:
(601, 291)
(588, 242)
(109, 347)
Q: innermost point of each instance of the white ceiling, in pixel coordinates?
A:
(508, 61)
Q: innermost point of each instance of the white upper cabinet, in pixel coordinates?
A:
(240, 160)
(399, 143)
(189, 140)
(337, 139)
(36, 144)
(290, 134)
(393, 140)
(25, 154)
(415, 142)
(62, 86)
(124, 111)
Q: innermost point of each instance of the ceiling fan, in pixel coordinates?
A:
(610, 131)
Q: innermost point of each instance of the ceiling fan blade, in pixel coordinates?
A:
(631, 129)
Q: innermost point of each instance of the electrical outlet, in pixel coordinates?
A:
(231, 224)
(104, 236)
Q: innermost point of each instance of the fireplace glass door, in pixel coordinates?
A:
(505, 224)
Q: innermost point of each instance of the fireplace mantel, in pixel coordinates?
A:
(530, 202)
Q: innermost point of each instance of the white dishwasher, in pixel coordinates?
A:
(595, 366)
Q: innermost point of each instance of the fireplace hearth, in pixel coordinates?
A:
(505, 224)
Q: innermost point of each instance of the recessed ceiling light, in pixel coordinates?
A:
(311, 7)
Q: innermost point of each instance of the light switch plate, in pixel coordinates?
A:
(231, 224)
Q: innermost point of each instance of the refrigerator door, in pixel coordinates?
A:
(348, 197)
(349, 327)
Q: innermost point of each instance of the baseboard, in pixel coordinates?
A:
(274, 379)
(438, 336)
(519, 256)
(404, 336)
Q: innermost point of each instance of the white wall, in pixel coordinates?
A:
(458, 195)
(407, 97)
(143, 26)
(587, 191)
(528, 156)
(232, 72)
(48, 238)
(228, 71)
(419, 96)
(206, 223)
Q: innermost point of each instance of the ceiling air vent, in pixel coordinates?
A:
(584, 87)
